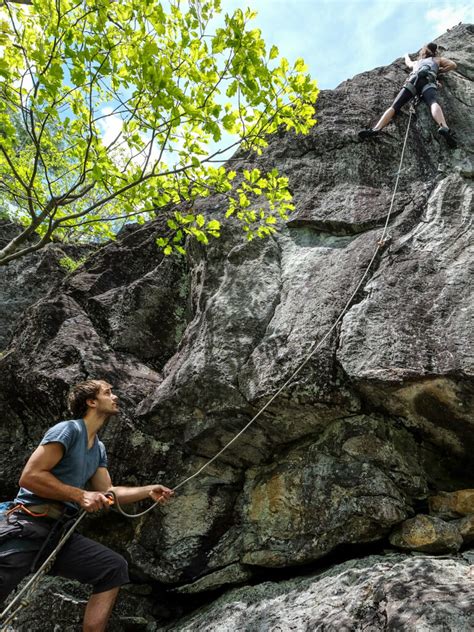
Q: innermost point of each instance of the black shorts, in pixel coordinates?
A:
(80, 558)
(429, 96)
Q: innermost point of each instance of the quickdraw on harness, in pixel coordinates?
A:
(425, 71)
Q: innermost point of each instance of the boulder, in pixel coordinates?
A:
(427, 534)
(452, 504)
(392, 592)
(465, 526)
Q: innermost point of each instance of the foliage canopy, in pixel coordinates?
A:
(112, 110)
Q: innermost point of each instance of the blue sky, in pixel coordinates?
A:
(340, 38)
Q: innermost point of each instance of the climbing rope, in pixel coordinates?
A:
(315, 347)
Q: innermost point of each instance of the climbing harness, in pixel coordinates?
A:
(21, 601)
(425, 71)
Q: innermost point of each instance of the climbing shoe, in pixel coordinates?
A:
(449, 137)
(368, 133)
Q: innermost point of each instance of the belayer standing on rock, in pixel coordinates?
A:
(69, 459)
(421, 83)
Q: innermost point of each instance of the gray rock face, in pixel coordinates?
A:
(350, 486)
(382, 413)
(376, 593)
(67, 599)
(390, 592)
(26, 280)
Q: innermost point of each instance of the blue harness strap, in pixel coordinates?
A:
(4, 507)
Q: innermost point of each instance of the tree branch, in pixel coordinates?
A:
(21, 253)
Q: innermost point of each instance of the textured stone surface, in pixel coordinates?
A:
(427, 534)
(452, 504)
(376, 593)
(67, 600)
(26, 280)
(231, 575)
(70, 335)
(391, 592)
(465, 526)
(381, 414)
(350, 486)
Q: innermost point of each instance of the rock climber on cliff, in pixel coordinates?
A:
(69, 459)
(421, 83)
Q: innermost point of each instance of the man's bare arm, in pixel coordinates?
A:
(38, 478)
(445, 65)
(158, 493)
(102, 482)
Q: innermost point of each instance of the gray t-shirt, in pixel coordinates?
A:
(428, 61)
(79, 463)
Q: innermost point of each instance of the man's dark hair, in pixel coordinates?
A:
(80, 393)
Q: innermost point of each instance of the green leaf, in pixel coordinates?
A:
(274, 52)
(128, 99)
(213, 225)
(300, 66)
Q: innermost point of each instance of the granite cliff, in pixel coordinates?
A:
(379, 421)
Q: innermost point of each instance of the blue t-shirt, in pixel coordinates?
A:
(79, 463)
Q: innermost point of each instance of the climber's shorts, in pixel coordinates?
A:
(429, 96)
(80, 558)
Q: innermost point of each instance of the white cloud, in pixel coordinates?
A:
(111, 126)
(27, 82)
(448, 16)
